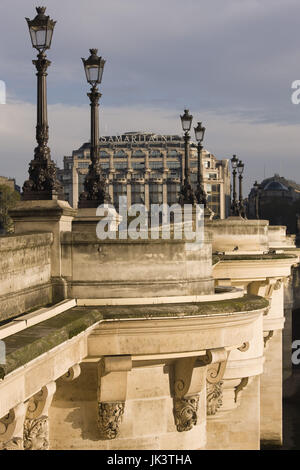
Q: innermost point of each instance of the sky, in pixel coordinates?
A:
(230, 62)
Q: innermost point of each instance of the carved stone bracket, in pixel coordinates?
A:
(36, 426)
(217, 355)
(278, 284)
(109, 419)
(243, 383)
(36, 433)
(112, 391)
(185, 412)
(214, 397)
(11, 428)
(190, 376)
(244, 347)
(214, 391)
(72, 373)
(267, 337)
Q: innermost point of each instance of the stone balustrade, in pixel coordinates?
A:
(167, 348)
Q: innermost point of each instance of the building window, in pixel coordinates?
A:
(172, 193)
(155, 153)
(173, 165)
(138, 153)
(137, 194)
(207, 164)
(119, 190)
(120, 165)
(121, 153)
(138, 165)
(155, 193)
(156, 165)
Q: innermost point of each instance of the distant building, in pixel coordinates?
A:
(147, 168)
(276, 199)
(10, 182)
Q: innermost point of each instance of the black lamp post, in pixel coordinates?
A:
(42, 183)
(200, 193)
(94, 185)
(257, 199)
(186, 195)
(234, 205)
(241, 209)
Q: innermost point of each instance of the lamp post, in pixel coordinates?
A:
(200, 193)
(257, 199)
(94, 185)
(42, 183)
(234, 205)
(241, 209)
(186, 195)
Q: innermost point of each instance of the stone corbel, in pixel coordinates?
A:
(243, 383)
(287, 280)
(267, 336)
(112, 391)
(36, 426)
(190, 374)
(11, 429)
(214, 383)
(187, 385)
(244, 347)
(278, 284)
(72, 373)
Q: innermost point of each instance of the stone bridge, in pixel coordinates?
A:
(140, 344)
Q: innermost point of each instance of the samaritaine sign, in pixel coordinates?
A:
(140, 138)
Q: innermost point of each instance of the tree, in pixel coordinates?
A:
(8, 199)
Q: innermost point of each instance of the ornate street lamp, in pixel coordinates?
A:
(234, 204)
(200, 193)
(186, 195)
(42, 183)
(241, 209)
(94, 185)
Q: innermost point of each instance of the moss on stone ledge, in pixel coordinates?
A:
(28, 344)
(256, 257)
(242, 304)
(32, 342)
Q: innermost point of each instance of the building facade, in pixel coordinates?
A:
(148, 169)
(10, 182)
(276, 199)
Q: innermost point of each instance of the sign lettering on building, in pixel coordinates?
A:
(139, 138)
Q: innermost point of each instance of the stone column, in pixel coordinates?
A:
(129, 154)
(75, 185)
(222, 201)
(147, 200)
(165, 193)
(128, 195)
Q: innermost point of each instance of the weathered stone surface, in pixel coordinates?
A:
(25, 273)
(28, 344)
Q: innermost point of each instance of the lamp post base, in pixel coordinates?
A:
(42, 196)
(187, 195)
